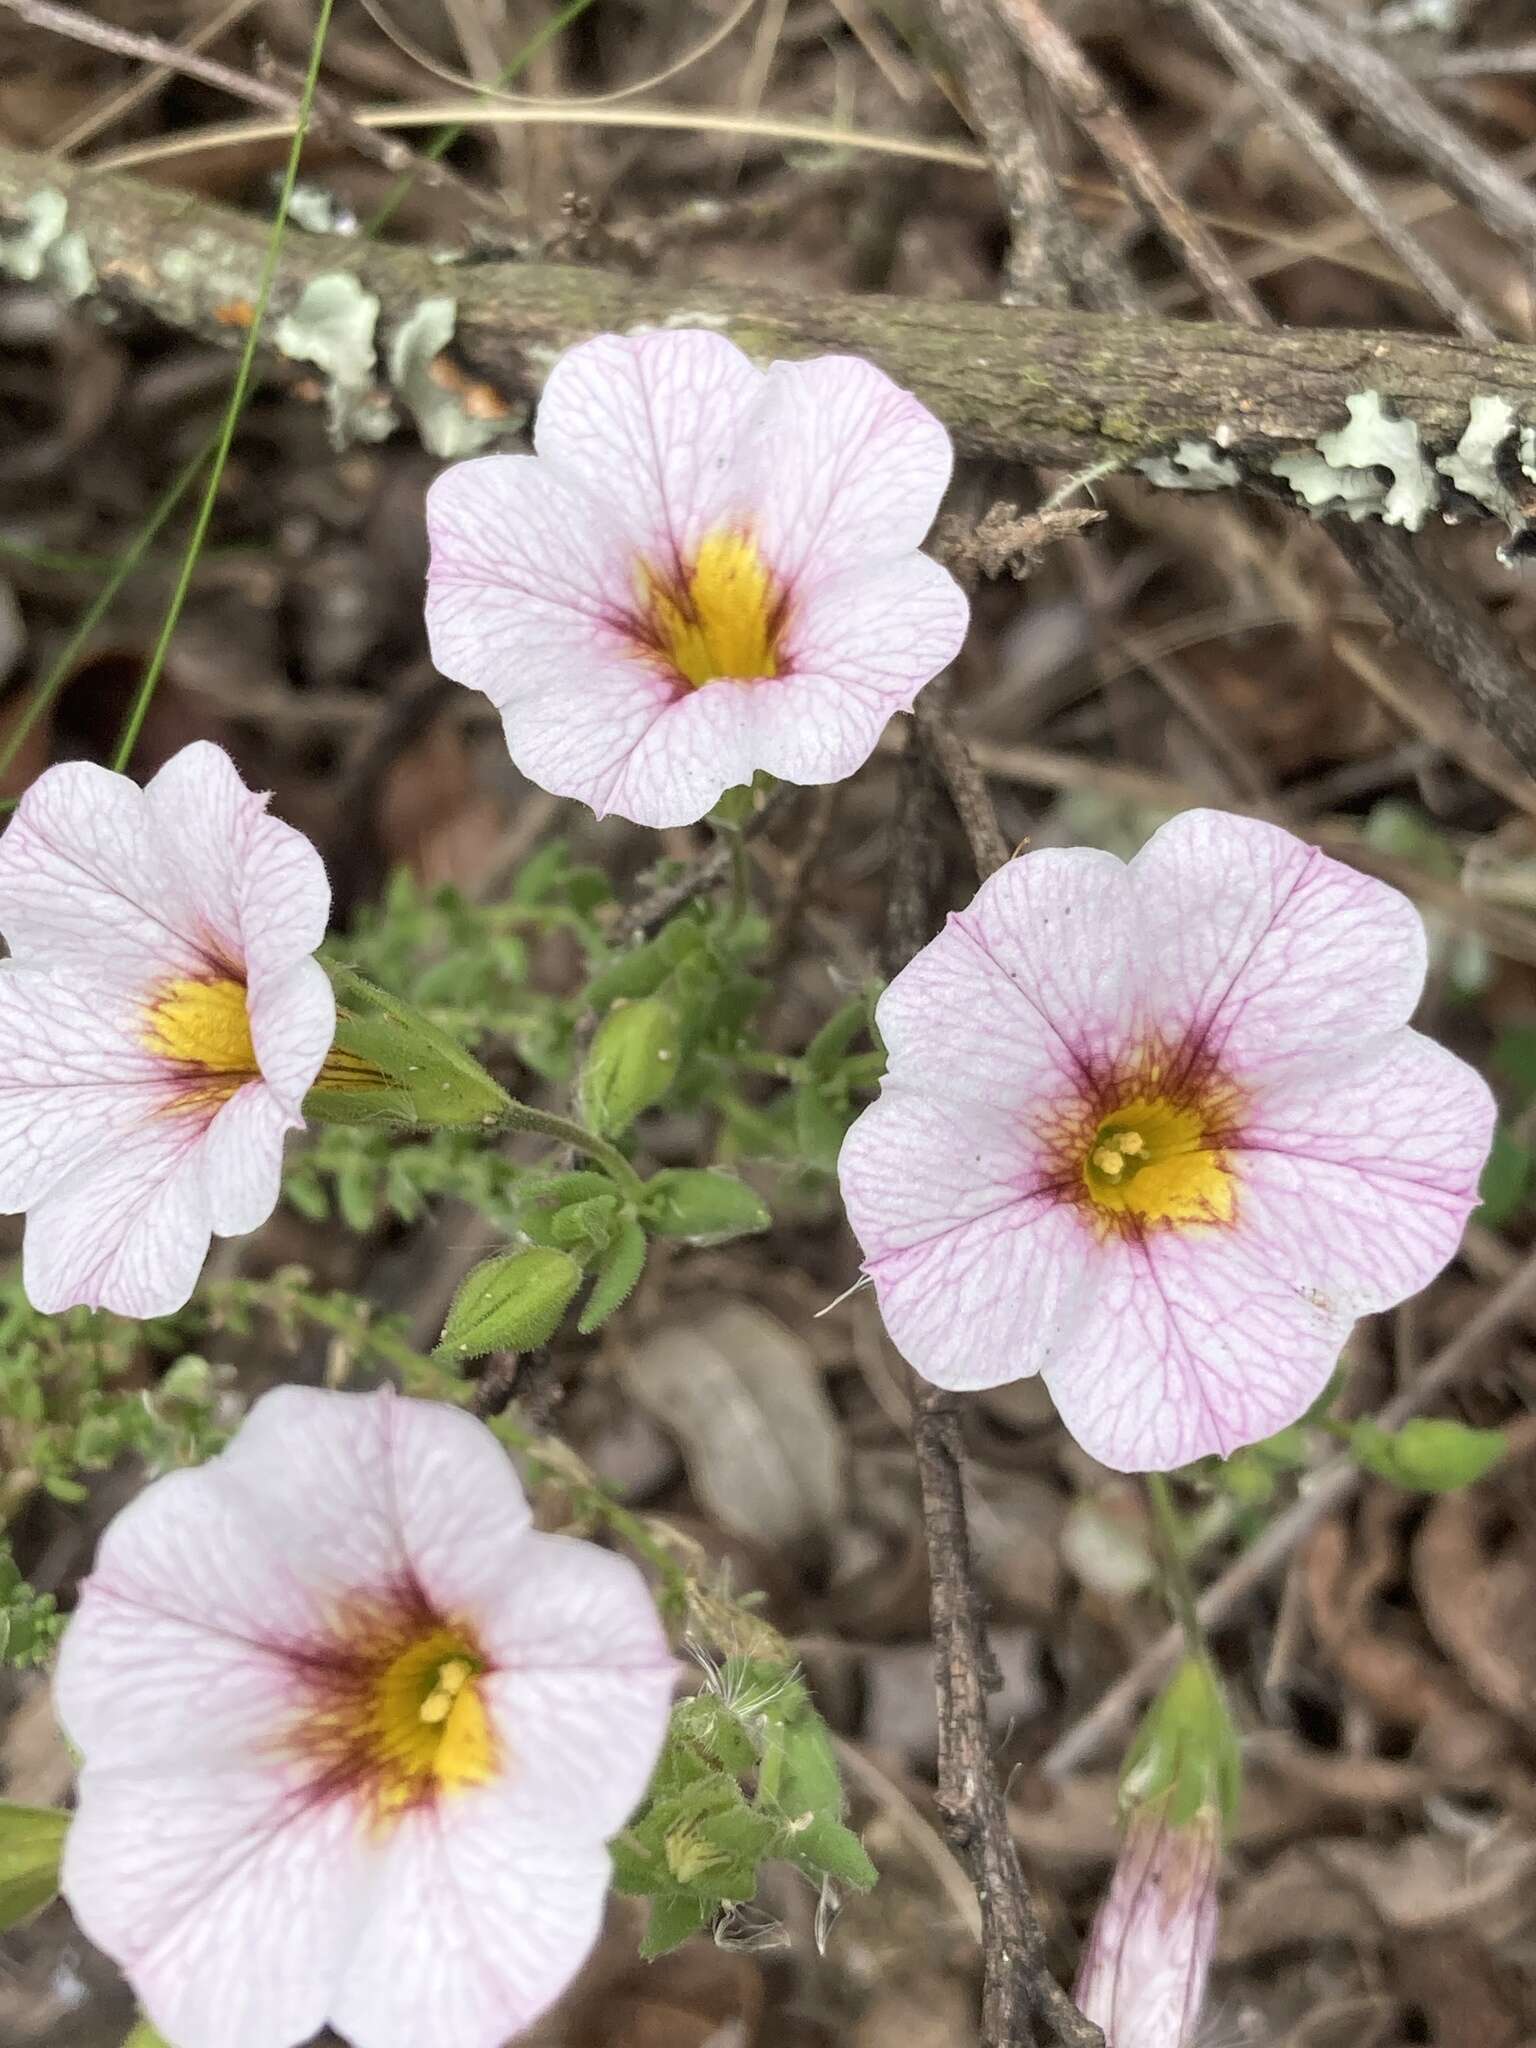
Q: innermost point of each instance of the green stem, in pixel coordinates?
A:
(741, 874)
(446, 137)
(1178, 1586)
(522, 1116)
(232, 411)
(64, 666)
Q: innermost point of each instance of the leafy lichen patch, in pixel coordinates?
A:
(332, 326)
(454, 416)
(44, 250)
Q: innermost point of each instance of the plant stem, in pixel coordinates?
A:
(97, 609)
(1178, 1586)
(522, 1116)
(232, 411)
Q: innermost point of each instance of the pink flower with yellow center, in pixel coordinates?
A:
(1144, 1971)
(704, 571)
(161, 1018)
(1160, 1132)
(354, 1735)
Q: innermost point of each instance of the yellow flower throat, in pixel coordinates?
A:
(205, 1028)
(1153, 1162)
(724, 621)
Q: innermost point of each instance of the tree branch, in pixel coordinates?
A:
(1059, 388)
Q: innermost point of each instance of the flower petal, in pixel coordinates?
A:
(844, 467)
(126, 1229)
(1257, 947)
(73, 1078)
(243, 1159)
(293, 1021)
(611, 743)
(1360, 1172)
(481, 1922)
(532, 577)
(981, 1277)
(190, 1549)
(137, 1686)
(1198, 1342)
(649, 424)
(85, 885)
(230, 1907)
(1025, 989)
(251, 890)
(581, 1688)
(362, 1491)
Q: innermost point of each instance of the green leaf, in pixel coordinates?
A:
(704, 1206)
(1514, 1057)
(31, 1845)
(825, 1052)
(826, 1846)
(819, 1128)
(618, 1273)
(633, 1062)
(674, 1916)
(1506, 1180)
(511, 1302)
(1429, 1454)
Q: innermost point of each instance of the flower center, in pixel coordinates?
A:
(1153, 1161)
(424, 1727)
(724, 621)
(205, 1025)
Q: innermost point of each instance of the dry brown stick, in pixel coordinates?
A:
(1047, 251)
(385, 150)
(1018, 1988)
(963, 779)
(1276, 97)
(1326, 1490)
(1082, 92)
(1384, 91)
(1475, 657)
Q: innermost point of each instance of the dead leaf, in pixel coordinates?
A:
(742, 1395)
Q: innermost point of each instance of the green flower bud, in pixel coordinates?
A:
(704, 1207)
(388, 1062)
(633, 1062)
(31, 1845)
(1185, 1752)
(511, 1302)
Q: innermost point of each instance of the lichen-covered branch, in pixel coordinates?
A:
(1206, 406)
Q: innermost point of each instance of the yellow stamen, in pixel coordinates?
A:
(1153, 1162)
(724, 621)
(424, 1724)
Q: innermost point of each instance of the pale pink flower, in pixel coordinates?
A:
(1144, 1971)
(705, 570)
(354, 1735)
(1160, 1133)
(161, 1018)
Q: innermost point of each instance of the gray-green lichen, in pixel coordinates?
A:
(1193, 466)
(1374, 439)
(332, 326)
(446, 427)
(44, 251)
(1323, 488)
(1472, 466)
